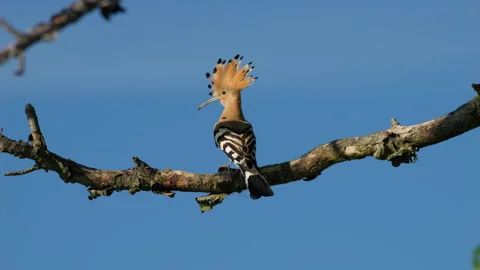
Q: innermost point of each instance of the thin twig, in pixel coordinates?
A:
(22, 172)
(11, 30)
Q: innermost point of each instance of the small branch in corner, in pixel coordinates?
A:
(15, 52)
(48, 31)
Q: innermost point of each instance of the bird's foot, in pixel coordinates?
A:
(224, 168)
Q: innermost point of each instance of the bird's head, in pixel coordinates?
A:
(228, 80)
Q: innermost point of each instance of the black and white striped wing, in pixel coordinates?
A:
(237, 140)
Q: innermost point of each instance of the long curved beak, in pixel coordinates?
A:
(208, 102)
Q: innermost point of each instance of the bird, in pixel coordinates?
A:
(233, 134)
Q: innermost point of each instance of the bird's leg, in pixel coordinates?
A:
(227, 168)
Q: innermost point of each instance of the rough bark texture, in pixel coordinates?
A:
(398, 144)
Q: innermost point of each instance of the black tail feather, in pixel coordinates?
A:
(258, 187)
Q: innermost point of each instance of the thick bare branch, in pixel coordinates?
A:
(48, 31)
(398, 144)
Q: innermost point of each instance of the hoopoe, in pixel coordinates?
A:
(232, 133)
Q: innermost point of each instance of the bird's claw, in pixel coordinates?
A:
(224, 168)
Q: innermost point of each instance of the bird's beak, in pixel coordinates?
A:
(208, 102)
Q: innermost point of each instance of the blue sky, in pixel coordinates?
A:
(105, 92)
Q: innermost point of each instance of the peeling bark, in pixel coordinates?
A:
(398, 144)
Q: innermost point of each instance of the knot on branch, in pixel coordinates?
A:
(143, 173)
(146, 175)
(142, 170)
(394, 122)
(393, 148)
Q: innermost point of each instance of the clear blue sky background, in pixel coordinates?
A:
(105, 92)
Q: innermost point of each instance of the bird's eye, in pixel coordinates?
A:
(224, 92)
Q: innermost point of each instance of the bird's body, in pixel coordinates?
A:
(237, 140)
(233, 134)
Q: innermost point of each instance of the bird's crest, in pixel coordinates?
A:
(229, 76)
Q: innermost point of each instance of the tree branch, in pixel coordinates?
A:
(48, 31)
(22, 172)
(398, 144)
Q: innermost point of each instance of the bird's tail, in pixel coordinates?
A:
(258, 186)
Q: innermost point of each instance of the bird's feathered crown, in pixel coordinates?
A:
(229, 76)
